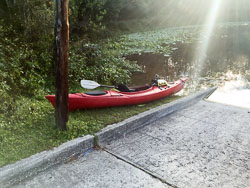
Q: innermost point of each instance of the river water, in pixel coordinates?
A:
(226, 65)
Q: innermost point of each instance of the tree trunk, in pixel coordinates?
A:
(61, 58)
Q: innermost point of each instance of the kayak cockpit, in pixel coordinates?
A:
(95, 92)
(124, 88)
(119, 88)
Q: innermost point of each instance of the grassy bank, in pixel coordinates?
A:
(27, 124)
(31, 129)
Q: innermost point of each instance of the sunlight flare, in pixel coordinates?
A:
(202, 48)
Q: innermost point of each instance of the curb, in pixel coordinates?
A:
(118, 130)
(17, 172)
(14, 173)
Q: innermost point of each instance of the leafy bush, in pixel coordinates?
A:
(96, 62)
(86, 17)
(22, 69)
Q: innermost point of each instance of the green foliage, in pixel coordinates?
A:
(149, 42)
(31, 19)
(22, 68)
(96, 62)
(86, 18)
(26, 46)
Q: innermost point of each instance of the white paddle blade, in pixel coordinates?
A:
(89, 84)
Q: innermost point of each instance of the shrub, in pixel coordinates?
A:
(96, 62)
(22, 69)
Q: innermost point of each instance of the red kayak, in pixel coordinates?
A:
(110, 98)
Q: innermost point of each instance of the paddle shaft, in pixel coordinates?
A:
(107, 86)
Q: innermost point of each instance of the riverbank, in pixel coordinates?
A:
(32, 128)
(27, 124)
(75, 149)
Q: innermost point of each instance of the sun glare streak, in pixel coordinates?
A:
(206, 33)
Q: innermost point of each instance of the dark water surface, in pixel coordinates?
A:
(226, 63)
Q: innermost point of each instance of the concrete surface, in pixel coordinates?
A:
(203, 145)
(115, 131)
(97, 169)
(31, 166)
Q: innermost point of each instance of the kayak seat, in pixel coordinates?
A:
(95, 93)
(141, 87)
(124, 88)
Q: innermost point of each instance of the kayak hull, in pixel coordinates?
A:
(115, 98)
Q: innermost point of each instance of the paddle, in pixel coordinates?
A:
(89, 84)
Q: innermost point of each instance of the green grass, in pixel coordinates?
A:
(31, 128)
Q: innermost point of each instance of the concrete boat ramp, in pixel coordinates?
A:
(187, 143)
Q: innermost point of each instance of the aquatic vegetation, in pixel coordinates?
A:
(150, 42)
